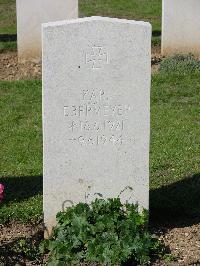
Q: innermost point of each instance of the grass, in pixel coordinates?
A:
(147, 10)
(180, 64)
(175, 139)
(7, 17)
(21, 150)
(7, 25)
(8, 45)
(175, 142)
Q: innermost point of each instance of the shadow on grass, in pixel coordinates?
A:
(21, 188)
(156, 33)
(8, 37)
(176, 205)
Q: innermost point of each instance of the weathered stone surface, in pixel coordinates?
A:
(96, 111)
(31, 14)
(180, 27)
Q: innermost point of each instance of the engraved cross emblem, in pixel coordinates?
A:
(97, 58)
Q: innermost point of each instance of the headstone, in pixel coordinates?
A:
(30, 16)
(96, 112)
(181, 27)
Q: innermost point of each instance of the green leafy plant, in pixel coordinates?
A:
(106, 232)
(169, 257)
(180, 64)
(27, 248)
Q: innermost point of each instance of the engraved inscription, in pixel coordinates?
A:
(95, 109)
(96, 120)
(97, 57)
(96, 126)
(99, 140)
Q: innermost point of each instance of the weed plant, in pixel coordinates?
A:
(106, 232)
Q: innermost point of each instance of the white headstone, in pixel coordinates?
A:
(96, 111)
(181, 27)
(30, 16)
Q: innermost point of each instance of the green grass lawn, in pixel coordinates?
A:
(175, 143)
(7, 24)
(21, 150)
(175, 147)
(147, 10)
(7, 17)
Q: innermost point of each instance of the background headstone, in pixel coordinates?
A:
(30, 16)
(180, 27)
(96, 111)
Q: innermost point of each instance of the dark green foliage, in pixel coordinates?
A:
(4, 46)
(27, 249)
(180, 64)
(106, 232)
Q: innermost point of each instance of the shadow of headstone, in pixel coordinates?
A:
(177, 204)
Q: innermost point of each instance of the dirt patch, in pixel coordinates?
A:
(11, 69)
(13, 251)
(156, 58)
(156, 51)
(155, 64)
(183, 243)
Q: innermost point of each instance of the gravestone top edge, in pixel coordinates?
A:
(95, 18)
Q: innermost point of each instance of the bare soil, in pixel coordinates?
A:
(11, 69)
(10, 237)
(182, 242)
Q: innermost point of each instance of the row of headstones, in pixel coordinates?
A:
(180, 24)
